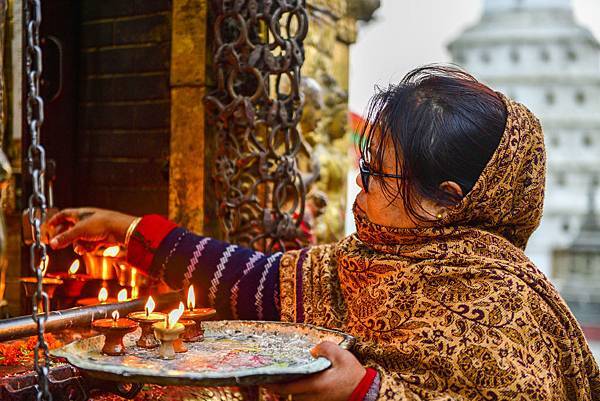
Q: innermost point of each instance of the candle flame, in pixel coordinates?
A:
(191, 298)
(74, 267)
(135, 292)
(122, 295)
(111, 251)
(174, 315)
(115, 315)
(150, 305)
(103, 295)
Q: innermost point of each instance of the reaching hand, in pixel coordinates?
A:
(334, 384)
(87, 228)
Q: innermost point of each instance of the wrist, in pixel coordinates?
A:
(363, 387)
(120, 225)
(146, 238)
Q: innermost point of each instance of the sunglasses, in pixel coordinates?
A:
(366, 173)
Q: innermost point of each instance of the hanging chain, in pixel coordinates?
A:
(36, 163)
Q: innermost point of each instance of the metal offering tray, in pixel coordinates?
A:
(233, 353)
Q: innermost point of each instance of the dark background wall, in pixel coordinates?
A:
(107, 110)
(124, 105)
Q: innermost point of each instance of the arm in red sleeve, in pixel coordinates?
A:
(239, 282)
(145, 240)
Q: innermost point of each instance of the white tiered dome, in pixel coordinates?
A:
(492, 6)
(535, 52)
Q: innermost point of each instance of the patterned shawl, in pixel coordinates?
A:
(456, 311)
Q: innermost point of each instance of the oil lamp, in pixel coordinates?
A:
(146, 319)
(49, 284)
(73, 282)
(167, 331)
(190, 332)
(101, 264)
(197, 315)
(114, 329)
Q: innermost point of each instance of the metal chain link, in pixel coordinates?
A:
(36, 163)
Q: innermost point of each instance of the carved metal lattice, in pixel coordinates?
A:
(255, 109)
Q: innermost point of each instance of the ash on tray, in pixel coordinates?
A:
(222, 351)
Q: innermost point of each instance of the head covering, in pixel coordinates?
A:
(508, 197)
(455, 311)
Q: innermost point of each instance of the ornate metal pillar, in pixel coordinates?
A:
(255, 109)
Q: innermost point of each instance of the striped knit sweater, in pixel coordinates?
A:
(238, 282)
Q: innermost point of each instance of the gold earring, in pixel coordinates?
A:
(439, 216)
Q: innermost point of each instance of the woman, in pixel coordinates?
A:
(434, 284)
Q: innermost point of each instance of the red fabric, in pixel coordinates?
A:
(363, 387)
(146, 238)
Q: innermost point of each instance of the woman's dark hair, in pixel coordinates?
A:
(444, 126)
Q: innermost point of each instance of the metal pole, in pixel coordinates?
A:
(23, 326)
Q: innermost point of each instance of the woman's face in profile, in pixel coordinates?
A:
(376, 204)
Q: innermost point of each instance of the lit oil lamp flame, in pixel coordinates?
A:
(174, 315)
(191, 298)
(74, 267)
(111, 251)
(122, 295)
(135, 293)
(150, 305)
(102, 295)
(115, 316)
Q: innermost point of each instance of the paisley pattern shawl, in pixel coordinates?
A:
(455, 311)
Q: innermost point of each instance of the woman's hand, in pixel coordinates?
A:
(334, 384)
(87, 228)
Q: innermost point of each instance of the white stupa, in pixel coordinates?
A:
(535, 52)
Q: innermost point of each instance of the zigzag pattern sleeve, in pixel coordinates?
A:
(239, 282)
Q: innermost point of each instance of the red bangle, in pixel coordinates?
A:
(146, 238)
(363, 387)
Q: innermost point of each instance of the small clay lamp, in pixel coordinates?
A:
(190, 334)
(114, 329)
(168, 331)
(189, 331)
(197, 315)
(73, 282)
(146, 319)
(49, 284)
